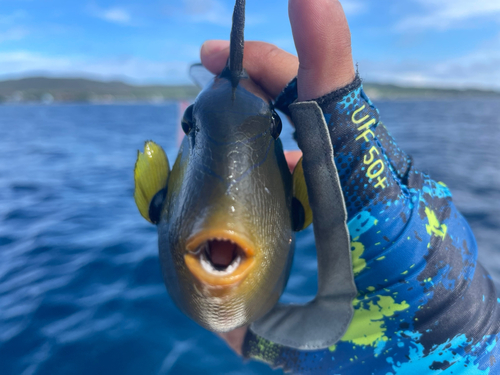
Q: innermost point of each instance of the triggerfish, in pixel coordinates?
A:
(227, 211)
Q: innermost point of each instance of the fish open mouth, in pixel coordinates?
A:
(219, 259)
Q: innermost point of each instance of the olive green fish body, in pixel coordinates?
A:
(227, 211)
(230, 176)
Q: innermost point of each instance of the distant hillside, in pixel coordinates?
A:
(86, 90)
(384, 91)
(40, 89)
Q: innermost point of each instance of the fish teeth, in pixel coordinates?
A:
(223, 239)
(207, 265)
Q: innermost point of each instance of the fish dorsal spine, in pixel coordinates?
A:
(234, 67)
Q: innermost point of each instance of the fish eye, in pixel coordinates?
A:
(187, 120)
(276, 125)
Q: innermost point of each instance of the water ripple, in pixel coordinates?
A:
(81, 290)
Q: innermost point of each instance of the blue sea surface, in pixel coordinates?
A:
(80, 284)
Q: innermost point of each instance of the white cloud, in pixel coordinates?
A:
(446, 14)
(216, 13)
(10, 28)
(210, 11)
(115, 14)
(133, 70)
(9, 19)
(15, 33)
(118, 15)
(480, 69)
(352, 7)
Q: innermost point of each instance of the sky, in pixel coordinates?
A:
(440, 43)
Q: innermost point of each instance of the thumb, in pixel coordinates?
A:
(323, 42)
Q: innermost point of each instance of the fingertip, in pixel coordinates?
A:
(213, 46)
(323, 41)
(235, 338)
(269, 67)
(213, 55)
(292, 158)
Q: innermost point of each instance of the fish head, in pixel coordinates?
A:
(225, 229)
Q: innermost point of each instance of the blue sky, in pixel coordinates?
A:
(419, 42)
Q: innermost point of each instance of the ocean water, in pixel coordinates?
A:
(80, 284)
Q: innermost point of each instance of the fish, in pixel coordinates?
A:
(228, 210)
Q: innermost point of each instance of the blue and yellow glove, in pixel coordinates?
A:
(424, 303)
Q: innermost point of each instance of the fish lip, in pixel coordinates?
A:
(192, 258)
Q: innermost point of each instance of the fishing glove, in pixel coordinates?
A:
(424, 303)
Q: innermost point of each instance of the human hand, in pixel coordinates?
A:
(323, 42)
(324, 64)
(395, 242)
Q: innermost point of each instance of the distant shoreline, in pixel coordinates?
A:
(79, 90)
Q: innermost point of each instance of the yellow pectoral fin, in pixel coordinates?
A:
(300, 194)
(150, 176)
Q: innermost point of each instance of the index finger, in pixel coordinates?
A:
(269, 66)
